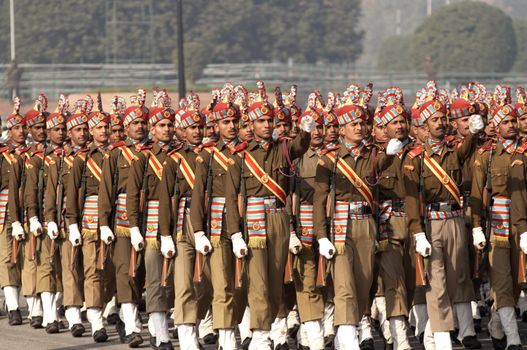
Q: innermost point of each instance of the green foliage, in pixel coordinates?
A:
(520, 27)
(395, 54)
(466, 37)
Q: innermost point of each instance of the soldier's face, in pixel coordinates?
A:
(437, 125)
(100, 133)
(79, 135)
(163, 131)
(461, 125)
(57, 135)
(332, 133)
(283, 129)
(397, 128)
(490, 130)
(227, 128)
(508, 128)
(245, 133)
(317, 136)
(421, 133)
(210, 130)
(136, 130)
(263, 127)
(180, 134)
(18, 134)
(194, 134)
(353, 132)
(116, 134)
(380, 135)
(522, 122)
(38, 132)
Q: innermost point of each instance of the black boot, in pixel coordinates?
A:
(499, 344)
(245, 343)
(133, 340)
(166, 346)
(100, 336)
(15, 318)
(52, 328)
(210, 338)
(36, 322)
(77, 330)
(367, 344)
(113, 319)
(471, 342)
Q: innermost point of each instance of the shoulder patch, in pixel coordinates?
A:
(116, 145)
(414, 152)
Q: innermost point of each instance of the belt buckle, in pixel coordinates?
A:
(355, 208)
(444, 206)
(270, 203)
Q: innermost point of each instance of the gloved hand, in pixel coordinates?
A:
(137, 239)
(326, 248)
(295, 246)
(478, 238)
(475, 124)
(523, 242)
(307, 124)
(107, 235)
(202, 244)
(74, 235)
(53, 230)
(275, 135)
(238, 245)
(167, 246)
(422, 246)
(35, 227)
(17, 231)
(393, 147)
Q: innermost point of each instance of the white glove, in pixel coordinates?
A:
(238, 245)
(393, 147)
(17, 231)
(137, 239)
(523, 242)
(202, 244)
(307, 124)
(35, 227)
(75, 235)
(475, 124)
(478, 238)
(167, 246)
(326, 248)
(107, 235)
(295, 246)
(275, 135)
(53, 230)
(422, 246)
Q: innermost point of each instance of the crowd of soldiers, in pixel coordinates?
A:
(264, 218)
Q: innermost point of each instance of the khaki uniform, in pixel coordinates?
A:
(11, 172)
(504, 248)
(38, 276)
(72, 279)
(353, 264)
(190, 303)
(449, 274)
(84, 181)
(157, 297)
(267, 251)
(227, 307)
(117, 162)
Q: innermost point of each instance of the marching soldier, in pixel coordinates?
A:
(144, 185)
(177, 183)
(439, 169)
(36, 123)
(47, 279)
(81, 214)
(260, 179)
(113, 217)
(499, 162)
(57, 188)
(10, 214)
(116, 120)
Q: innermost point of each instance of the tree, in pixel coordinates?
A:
(395, 54)
(466, 37)
(520, 65)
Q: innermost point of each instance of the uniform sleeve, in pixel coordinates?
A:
(232, 188)
(518, 188)
(133, 190)
(468, 146)
(74, 179)
(320, 199)
(197, 211)
(479, 178)
(299, 145)
(50, 201)
(166, 191)
(105, 201)
(412, 171)
(31, 195)
(15, 179)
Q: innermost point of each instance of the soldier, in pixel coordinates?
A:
(116, 120)
(144, 184)
(353, 205)
(260, 179)
(54, 213)
(498, 161)
(10, 214)
(81, 214)
(36, 123)
(113, 218)
(439, 169)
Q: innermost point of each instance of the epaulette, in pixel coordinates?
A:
(486, 147)
(116, 145)
(449, 138)
(4, 148)
(208, 144)
(175, 149)
(241, 147)
(35, 152)
(329, 149)
(24, 150)
(414, 152)
(522, 148)
(82, 150)
(144, 147)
